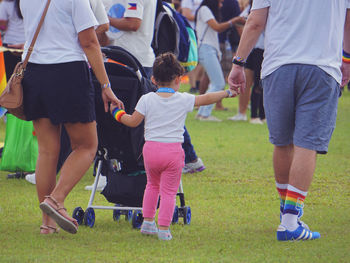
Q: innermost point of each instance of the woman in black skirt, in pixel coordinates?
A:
(58, 91)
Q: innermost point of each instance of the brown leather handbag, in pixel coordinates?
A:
(12, 97)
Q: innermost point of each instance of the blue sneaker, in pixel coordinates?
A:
(301, 233)
(149, 228)
(164, 235)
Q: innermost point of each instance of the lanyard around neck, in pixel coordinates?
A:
(166, 90)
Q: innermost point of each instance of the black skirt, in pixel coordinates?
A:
(62, 92)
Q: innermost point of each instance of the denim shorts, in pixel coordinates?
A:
(300, 104)
(63, 92)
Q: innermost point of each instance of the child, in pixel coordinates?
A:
(164, 113)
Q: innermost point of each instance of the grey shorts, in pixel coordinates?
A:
(300, 104)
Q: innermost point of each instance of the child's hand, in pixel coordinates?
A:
(112, 107)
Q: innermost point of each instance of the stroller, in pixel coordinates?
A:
(119, 155)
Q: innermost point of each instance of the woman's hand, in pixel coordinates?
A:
(108, 96)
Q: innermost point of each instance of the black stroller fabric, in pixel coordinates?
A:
(124, 189)
(117, 142)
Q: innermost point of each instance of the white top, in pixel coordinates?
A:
(99, 11)
(138, 43)
(304, 32)
(205, 34)
(115, 9)
(15, 31)
(165, 117)
(193, 6)
(58, 39)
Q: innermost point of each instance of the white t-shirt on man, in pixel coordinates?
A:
(165, 117)
(304, 32)
(99, 11)
(15, 31)
(205, 34)
(138, 43)
(58, 38)
(193, 6)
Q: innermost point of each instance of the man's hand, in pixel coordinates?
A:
(236, 79)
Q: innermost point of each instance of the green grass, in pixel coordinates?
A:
(235, 207)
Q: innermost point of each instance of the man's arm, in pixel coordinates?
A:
(345, 68)
(125, 23)
(253, 28)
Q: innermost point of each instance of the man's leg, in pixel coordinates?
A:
(193, 163)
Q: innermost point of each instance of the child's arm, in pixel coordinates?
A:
(212, 97)
(132, 121)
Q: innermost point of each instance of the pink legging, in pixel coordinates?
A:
(163, 164)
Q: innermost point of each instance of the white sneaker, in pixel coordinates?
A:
(255, 121)
(238, 117)
(209, 118)
(102, 181)
(195, 167)
(31, 178)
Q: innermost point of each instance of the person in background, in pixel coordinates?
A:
(134, 29)
(66, 41)
(11, 22)
(209, 54)
(188, 10)
(164, 113)
(244, 97)
(254, 61)
(301, 78)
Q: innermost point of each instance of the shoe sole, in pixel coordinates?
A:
(148, 232)
(63, 222)
(202, 168)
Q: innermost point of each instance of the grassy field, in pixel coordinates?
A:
(235, 207)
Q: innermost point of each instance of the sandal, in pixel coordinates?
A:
(55, 212)
(45, 230)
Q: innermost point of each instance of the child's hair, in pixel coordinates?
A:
(166, 68)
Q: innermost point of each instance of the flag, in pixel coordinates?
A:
(132, 6)
(3, 81)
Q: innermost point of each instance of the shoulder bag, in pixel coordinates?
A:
(12, 96)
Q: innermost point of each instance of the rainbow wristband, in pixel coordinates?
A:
(346, 57)
(118, 113)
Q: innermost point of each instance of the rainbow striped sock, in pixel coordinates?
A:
(282, 191)
(294, 201)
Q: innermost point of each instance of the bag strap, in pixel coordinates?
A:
(205, 31)
(30, 49)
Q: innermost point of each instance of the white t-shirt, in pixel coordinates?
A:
(15, 31)
(193, 6)
(138, 43)
(205, 34)
(304, 32)
(165, 117)
(58, 38)
(99, 11)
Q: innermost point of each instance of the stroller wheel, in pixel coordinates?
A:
(78, 214)
(116, 214)
(137, 219)
(128, 215)
(187, 215)
(89, 217)
(175, 215)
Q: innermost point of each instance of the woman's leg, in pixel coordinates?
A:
(83, 138)
(48, 136)
(210, 61)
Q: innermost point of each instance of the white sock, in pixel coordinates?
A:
(290, 221)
